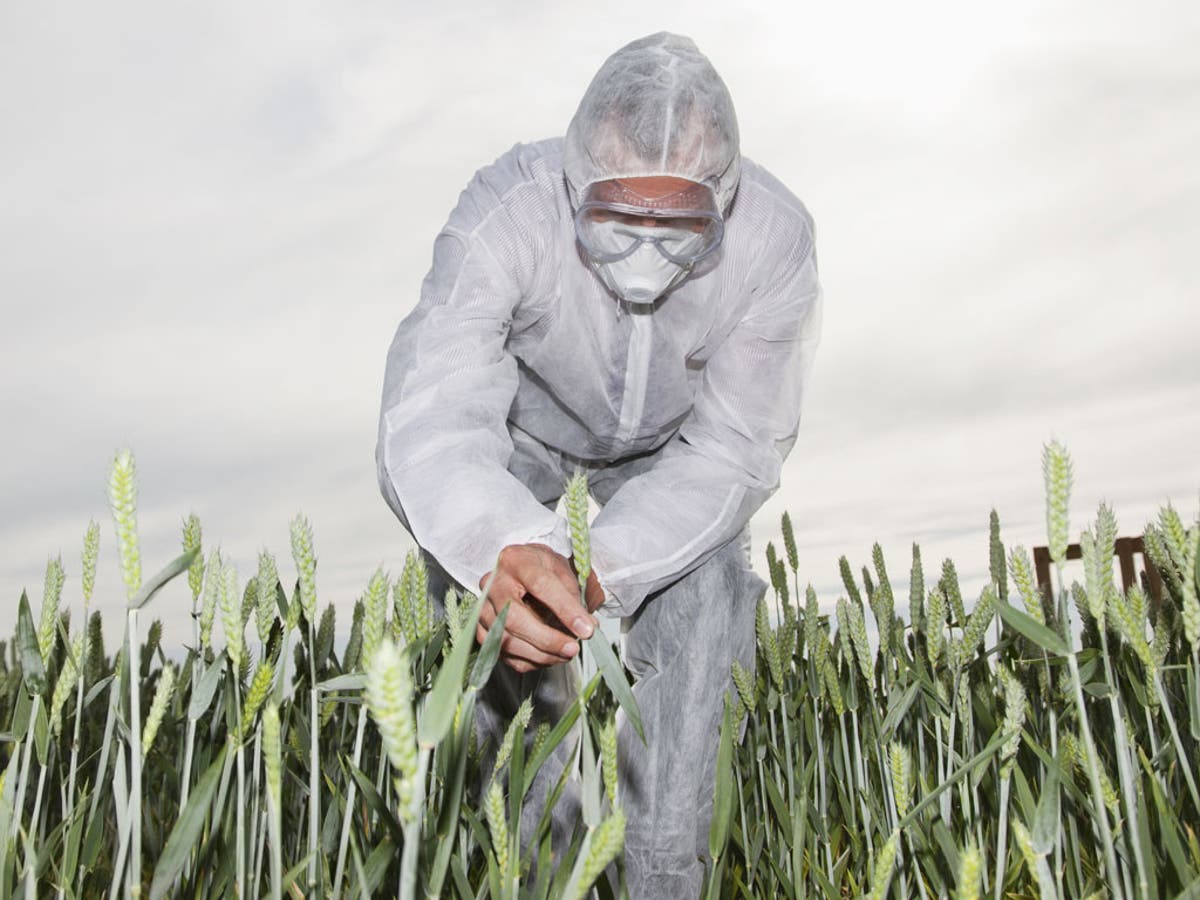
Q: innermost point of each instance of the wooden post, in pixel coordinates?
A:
(1124, 549)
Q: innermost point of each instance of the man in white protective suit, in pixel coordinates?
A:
(641, 301)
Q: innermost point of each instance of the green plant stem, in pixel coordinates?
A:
(582, 701)
(943, 770)
(314, 764)
(1001, 838)
(122, 883)
(1121, 749)
(77, 725)
(964, 796)
(275, 839)
(239, 761)
(822, 790)
(257, 814)
(1058, 835)
(1174, 729)
(916, 864)
(860, 775)
(134, 668)
(741, 794)
(849, 771)
(1151, 732)
(1195, 670)
(106, 744)
(258, 841)
(69, 806)
(788, 753)
(412, 831)
(1077, 865)
(34, 825)
(348, 818)
(185, 776)
(23, 778)
(1093, 763)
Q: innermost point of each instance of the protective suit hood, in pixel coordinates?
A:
(656, 107)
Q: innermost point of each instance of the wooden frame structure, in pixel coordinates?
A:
(1124, 550)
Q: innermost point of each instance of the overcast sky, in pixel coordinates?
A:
(213, 216)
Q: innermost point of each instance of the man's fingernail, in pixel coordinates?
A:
(582, 627)
(570, 649)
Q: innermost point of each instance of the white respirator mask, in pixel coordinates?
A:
(643, 276)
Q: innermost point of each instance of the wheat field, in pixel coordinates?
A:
(1031, 743)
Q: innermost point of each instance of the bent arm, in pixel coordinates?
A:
(725, 460)
(443, 448)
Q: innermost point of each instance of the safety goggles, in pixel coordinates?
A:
(613, 221)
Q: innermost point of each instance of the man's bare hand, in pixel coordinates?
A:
(545, 620)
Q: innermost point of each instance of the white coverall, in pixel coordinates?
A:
(513, 329)
(517, 365)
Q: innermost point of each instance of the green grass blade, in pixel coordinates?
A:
(898, 709)
(206, 688)
(489, 652)
(6, 816)
(41, 734)
(32, 671)
(175, 567)
(187, 830)
(448, 817)
(614, 676)
(437, 710)
(1032, 629)
(375, 868)
(722, 819)
(354, 681)
(291, 876)
(559, 732)
(973, 763)
(1046, 820)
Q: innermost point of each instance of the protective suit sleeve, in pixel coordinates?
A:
(444, 446)
(725, 460)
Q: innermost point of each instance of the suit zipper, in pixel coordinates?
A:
(637, 373)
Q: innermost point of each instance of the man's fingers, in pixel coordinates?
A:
(513, 646)
(518, 654)
(522, 623)
(549, 578)
(536, 641)
(513, 660)
(532, 572)
(563, 602)
(504, 590)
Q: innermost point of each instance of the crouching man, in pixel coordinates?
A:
(640, 301)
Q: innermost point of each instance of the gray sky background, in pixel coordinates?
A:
(213, 217)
